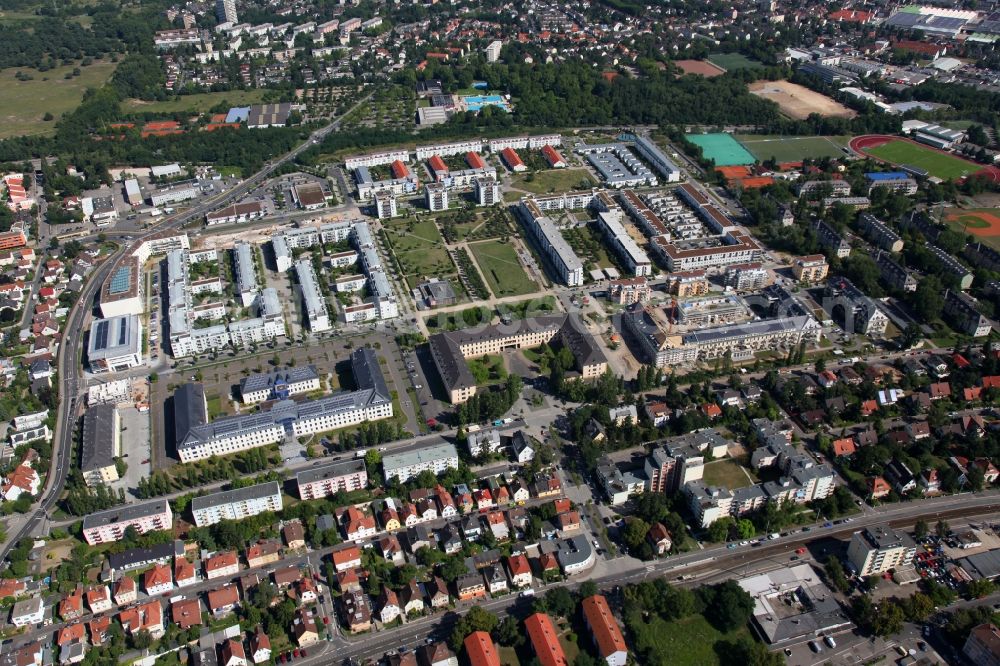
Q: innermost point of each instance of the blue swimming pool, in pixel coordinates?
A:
(477, 102)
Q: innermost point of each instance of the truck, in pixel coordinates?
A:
(475, 427)
(773, 536)
(360, 453)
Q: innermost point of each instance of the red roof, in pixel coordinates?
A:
(474, 160)
(511, 158)
(518, 564)
(851, 16)
(480, 649)
(991, 381)
(844, 447)
(607, 634)
(545, 640)
(72, 633)
(399, 170)
(551, 155)
(437, 164)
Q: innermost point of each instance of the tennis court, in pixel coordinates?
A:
(722, 148)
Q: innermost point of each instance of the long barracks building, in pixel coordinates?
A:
(198, 439)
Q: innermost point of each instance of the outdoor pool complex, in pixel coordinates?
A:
(477, 102)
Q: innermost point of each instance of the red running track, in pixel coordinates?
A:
(860, 143)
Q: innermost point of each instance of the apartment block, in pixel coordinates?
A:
(236, 504)
(403, 466)
(876, 550)
(344, 476)
(110, 525)
(810, 269)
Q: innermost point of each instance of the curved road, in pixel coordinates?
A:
(69, 362)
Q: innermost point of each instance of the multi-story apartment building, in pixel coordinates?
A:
(876, 550)
(567, 266)
(627, 291)
(446, 149)
(747, 277)
(279, 385)
(110, 525)
(685, 284)
(236, 504)
(669, 469)
(376, 159)
(963, 314)
(734, 247)
(524, 142)
(631, 255)
(859, 313)
(810, 269)
(197, 438)
(892, 274)
(326, 480)
(385, 205)
(879, 233)
(403, 466)
(436, 196)
(897, 181)
(487, 191)
(708, 503)
(830, 239)
(313, 302)
(605, 632)
(651, 152)
(962, 275)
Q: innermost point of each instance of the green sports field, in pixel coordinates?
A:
(722, 148)
(940, 165)
(731, 61)
(793, 148)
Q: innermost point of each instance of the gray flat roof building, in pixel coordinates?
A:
(99, 442)
(337, 469)
(126, 512)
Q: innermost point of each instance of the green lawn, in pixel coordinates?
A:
(419, 248)
(729, 61)
(688, 642)
(501, 269)
(552, 180)
(199, 103)
(726, 473)
(941, 165)
(793, 148)
(24, 103)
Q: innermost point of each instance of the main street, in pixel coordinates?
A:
(71, 348)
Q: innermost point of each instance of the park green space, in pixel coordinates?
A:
(940, 165)
(726, 473)
(730, 61)
(722, 148)
(793, 148)
(500, 267)
(691, 641)
(198, 103)
(419, 249)
(552, 180)
(24, 103)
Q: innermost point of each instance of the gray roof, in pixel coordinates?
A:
(259, 382)
(190, 411)
(113, 337)
(440, 451)
(342, 468)
(123, 513)
(574, 551)
(137, 557)
(368, 373)
(97, 449)
(750, 329)
(257, 491)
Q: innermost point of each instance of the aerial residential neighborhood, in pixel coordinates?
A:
(469, 334)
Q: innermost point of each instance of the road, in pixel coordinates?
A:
(70, 350)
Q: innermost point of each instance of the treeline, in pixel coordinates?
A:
(490, 405)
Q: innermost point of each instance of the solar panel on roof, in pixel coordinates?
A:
(122, 331)
(102, 335)
(120, 280)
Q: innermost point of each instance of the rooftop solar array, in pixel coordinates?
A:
(120, 280)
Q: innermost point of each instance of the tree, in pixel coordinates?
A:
(728, 606)
(558, 602)
(942, 529)
(977, 589)
(920, 530)
(508, 632)
(588, 588)
(477, 619)
(745, 528)
(917, 607)
(635, 532)
(719, 530)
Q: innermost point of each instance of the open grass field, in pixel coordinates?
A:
(793, 148)
(730, 61)
(688, 642)
(938, 164)
(983, 223)
(799, 102)
(419, 248)
(24, 103)
(552, 180)
(501, 269)
(726, 473)
(199, 103)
